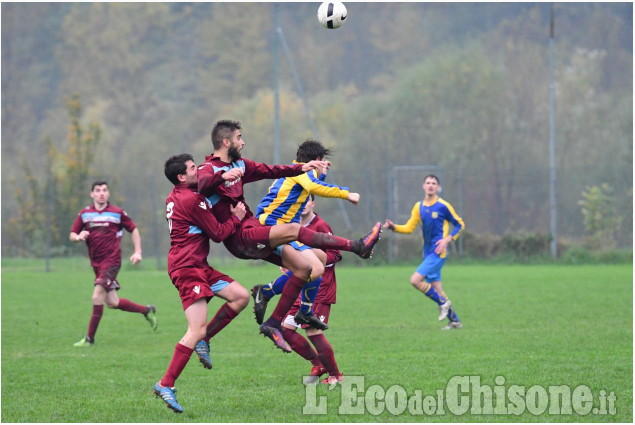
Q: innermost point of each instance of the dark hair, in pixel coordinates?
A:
(98, 183)
(175, 165)
(433, 177)
(310, 150)
(223, 129)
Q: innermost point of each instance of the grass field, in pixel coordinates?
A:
(525, 326)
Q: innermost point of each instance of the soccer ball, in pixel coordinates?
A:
(332, 14)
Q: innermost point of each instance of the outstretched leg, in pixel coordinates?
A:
(284, 233)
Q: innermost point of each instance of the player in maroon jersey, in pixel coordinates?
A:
(221, 179)
(192, 225)
(101, 227)
(323, 360)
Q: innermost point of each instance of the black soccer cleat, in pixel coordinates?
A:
(310, 319)
(260, 303)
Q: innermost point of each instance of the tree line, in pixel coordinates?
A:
(110, 90)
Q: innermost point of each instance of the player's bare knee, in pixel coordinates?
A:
(112, 304)
(416, 283)
(317, 271)
(197, 333)
(241, 301)
(305, 272)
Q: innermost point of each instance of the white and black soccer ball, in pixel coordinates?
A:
(332, 14)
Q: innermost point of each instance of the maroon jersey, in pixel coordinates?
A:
(192, 225)
(326, 293)
(106, 228)
(223, 194)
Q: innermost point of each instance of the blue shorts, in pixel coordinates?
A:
(299, 246)
(430, 267)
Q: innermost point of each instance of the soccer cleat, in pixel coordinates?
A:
(84, 342)
(366, 244)
(260, 303)
(444, 309)
(314, 376)
(275, 334)
(151, 317)
(202, 351)
(452, 325)
(333, 379)
(310, 319)
(167, 394)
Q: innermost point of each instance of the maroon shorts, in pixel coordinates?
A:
(320, 310)
(107, 277)
(251, 241)
(196, 283)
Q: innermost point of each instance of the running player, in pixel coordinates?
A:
(101, 226)
(435, 216)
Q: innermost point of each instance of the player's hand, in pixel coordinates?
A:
(233, 174)
(135, 258)
(442, 244)
(353, 198)
(239, 210)
(83, 235)
(321, 166)
(388, 225)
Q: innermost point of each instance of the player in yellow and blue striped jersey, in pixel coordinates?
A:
(435, 215)
(284, 203)
(287, 196)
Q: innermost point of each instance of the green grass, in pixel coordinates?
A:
(533, 325)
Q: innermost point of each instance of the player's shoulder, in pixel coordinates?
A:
(318, 223)
(443, 202)
(115, 209)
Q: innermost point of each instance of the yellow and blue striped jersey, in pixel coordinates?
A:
(435, 219)
(287, 197)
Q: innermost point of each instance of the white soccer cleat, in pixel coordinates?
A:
(444, 309)
(452, 325)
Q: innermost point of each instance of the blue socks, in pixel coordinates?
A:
(307, 295)
(429, 291)
(276, 287)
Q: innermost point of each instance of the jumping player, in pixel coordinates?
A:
(285, 203)
(191, 225)
(101, 226)
(221, 179)
(435, 216)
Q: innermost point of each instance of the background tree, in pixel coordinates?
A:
(463, 86)
(62, 193)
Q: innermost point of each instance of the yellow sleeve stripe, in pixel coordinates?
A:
(411, 224)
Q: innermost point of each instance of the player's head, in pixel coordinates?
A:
(98, 183)
(309, 206)
(226, 133)
(311, 150)
(181, 165)
(99, 192)
(431, 185)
